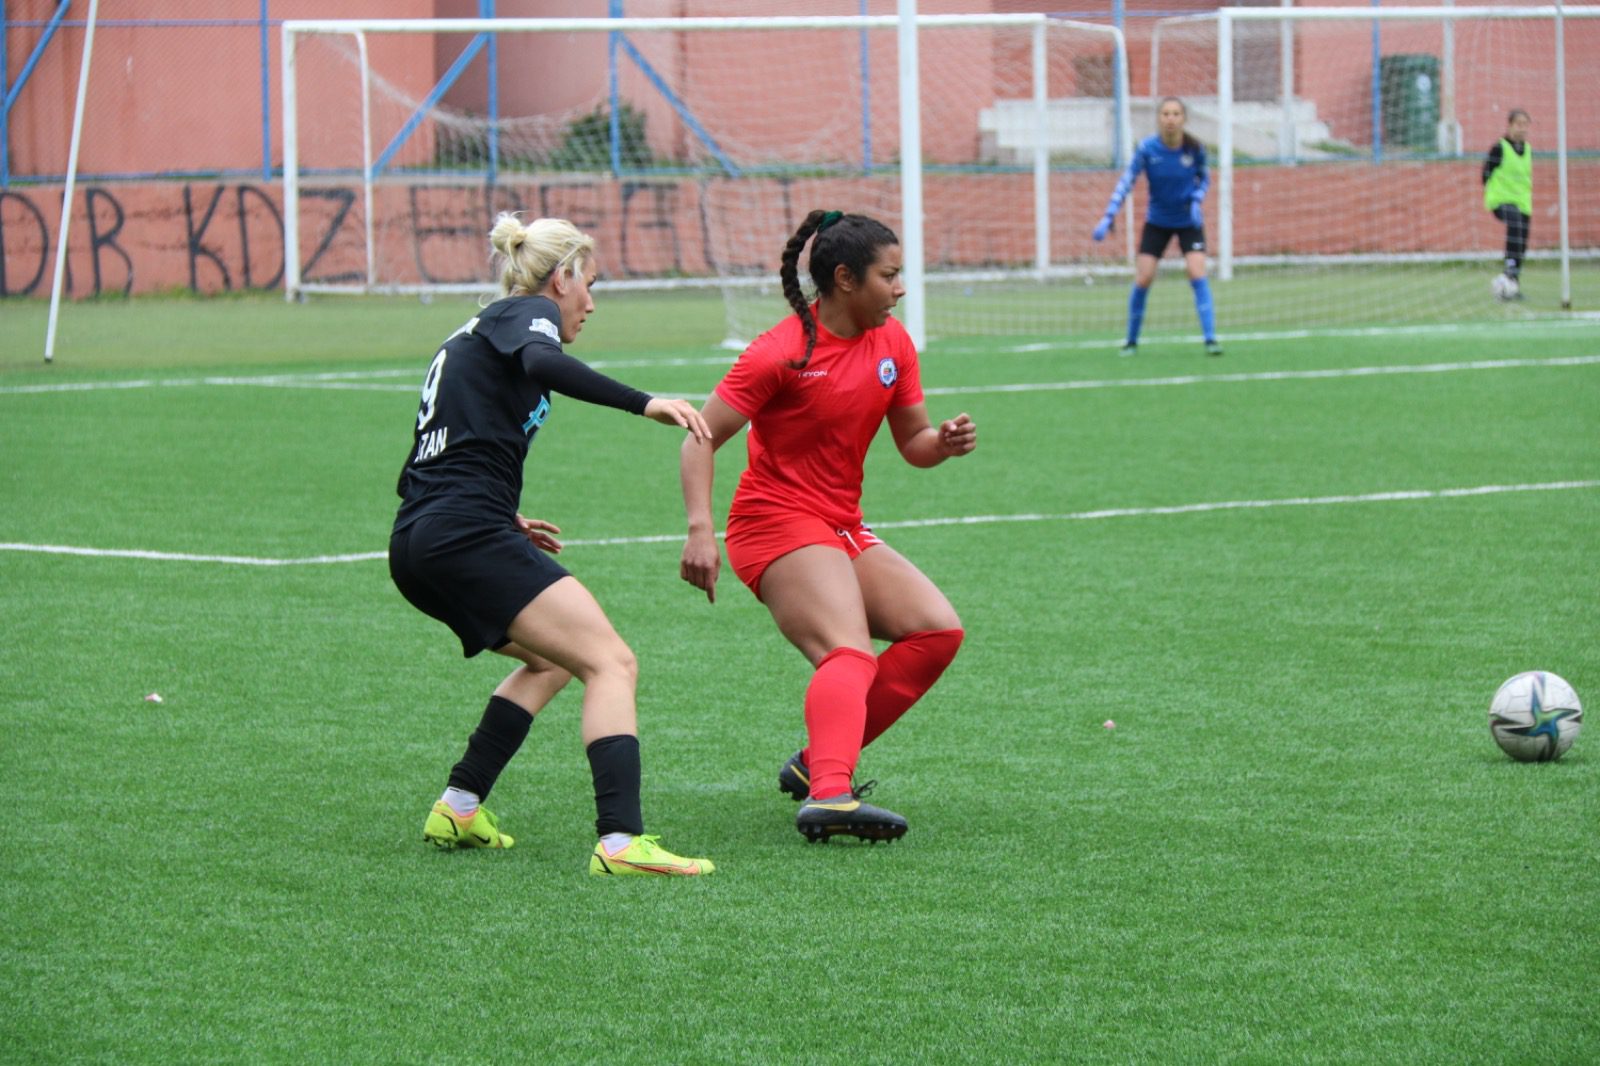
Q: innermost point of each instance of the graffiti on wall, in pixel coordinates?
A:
(220, 238)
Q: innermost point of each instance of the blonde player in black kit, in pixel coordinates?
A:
(461, 552)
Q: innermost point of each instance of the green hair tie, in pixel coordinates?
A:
(828, 219)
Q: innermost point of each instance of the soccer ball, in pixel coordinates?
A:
(1535, 717)
(1505, 288)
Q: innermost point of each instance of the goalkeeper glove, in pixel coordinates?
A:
(1104, 227)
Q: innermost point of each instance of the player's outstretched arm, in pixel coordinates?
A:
(923, 444)
(1120, 193)
(680, 413)
(702, 560)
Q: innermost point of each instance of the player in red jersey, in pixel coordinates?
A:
(815, 389)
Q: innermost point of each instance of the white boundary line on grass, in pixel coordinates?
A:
(1266, 375)
(914, 523)
(1578, 319)
(352, 380)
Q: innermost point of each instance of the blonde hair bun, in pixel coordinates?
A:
(527, 256)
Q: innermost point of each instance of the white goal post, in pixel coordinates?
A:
(1006, 102)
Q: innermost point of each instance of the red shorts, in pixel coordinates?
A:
(755, 541)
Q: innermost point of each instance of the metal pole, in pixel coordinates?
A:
(1225, 144)
(614, 39)
(1286, 124)
(916, 316)
(1377, 89)
(486, 10)
(1448, 137)
(1561, 155)
(366, 157)
(1119, 75)
(72, 181)
(291, 171)
(866, 96)
(1041, 155)
(266, 99)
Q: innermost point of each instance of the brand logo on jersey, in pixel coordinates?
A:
(537, 416)
(813, 373)
(545, 326)
(888, 373)
(1186, 159)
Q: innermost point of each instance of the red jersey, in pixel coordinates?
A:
(810, 428)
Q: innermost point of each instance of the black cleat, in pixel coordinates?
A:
(1128, 349)
(795, 778)
(1213, 348)
(846, 815)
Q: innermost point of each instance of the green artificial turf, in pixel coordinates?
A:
(1298, 844)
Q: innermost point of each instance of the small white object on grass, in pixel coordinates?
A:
(154, 697)
(1109, 724)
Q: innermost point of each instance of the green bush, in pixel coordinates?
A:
(587, 143)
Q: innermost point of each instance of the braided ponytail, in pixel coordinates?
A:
(789, 274)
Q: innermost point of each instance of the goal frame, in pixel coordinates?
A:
(908, 90)
(1226, 19)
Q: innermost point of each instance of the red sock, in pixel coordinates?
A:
(836, 713)
(906, 669)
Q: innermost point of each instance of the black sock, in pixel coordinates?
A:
(500, 733)
(614, 761)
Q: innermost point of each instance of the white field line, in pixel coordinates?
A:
(1267, 375)
(352, 380)
(1578, 319)
(915, 523)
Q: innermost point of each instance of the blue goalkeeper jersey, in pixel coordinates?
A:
(1178, 179)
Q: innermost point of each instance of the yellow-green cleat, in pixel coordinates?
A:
(446, 829)
(646, 856)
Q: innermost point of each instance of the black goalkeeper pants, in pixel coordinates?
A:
(1516, 236)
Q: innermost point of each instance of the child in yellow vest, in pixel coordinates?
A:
(1508, 195)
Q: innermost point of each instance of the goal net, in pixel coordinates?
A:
(692, 148)
(1355, 195)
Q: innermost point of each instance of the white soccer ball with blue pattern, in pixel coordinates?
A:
(1505, 288)
(1535, 717)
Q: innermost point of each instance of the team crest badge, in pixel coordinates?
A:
(1186, 159)
(887, 373)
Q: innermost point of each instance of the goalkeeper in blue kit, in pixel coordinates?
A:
(1175, 165)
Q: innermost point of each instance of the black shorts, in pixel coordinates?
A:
(1154, 239)
(472, 577)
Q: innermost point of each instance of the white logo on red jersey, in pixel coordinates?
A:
(813, 373)
(888, 373)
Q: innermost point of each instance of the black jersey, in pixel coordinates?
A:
(484, 397)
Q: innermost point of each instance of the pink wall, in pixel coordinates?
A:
(173, 99)
(215, 236)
